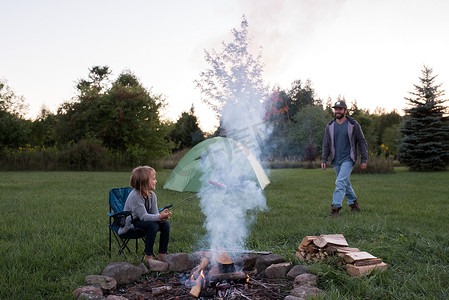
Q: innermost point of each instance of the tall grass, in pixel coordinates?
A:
(53, 229)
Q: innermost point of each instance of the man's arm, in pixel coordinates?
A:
(363, 146)
(325, 149)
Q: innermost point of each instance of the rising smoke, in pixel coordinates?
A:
(235, 82)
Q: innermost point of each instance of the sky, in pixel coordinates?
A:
(369, 52)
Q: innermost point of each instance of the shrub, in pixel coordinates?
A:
(29, 158)
(87, 154)
(376, 165)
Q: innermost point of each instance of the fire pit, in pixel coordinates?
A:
(209, 280)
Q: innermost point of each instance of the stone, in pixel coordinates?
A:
(106, 283)
(305, 291)
(157, 266)
(290, 297)
(197, 256)
(297, 270)
(85, 296)
(123, 272)
(246, 262)
(178, 262)
(115, 297)
(160, 290)
(263, 261)
(277, 270)
(89, 289)
(306, 279)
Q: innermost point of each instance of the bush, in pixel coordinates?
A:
(376, 165)
(86, 155)
(29, 158)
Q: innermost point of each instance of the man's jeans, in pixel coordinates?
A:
(343, 185)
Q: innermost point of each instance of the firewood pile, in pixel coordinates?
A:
(323, 247)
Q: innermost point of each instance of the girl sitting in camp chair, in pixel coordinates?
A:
(142, 202)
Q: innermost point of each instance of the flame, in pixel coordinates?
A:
(247, 278)
(192, 279)
(203, 278)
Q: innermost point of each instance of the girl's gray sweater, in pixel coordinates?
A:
(135, 203)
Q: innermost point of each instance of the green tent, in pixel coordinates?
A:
(186, 176)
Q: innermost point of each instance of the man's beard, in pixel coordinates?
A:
(339, 116)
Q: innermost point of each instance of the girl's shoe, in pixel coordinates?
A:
(146, 259)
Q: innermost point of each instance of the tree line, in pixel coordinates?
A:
(114, 124)
(106, 120)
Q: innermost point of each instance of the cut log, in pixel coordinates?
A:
(224, 259)
(237, 251)
(215, 274)
(332, 249)
(196, 289)
(307, 240)
(300, 255)
(335, 239)
(358, 271)
(367, 262)
(312, 248)
(200, 280)
(351, 257)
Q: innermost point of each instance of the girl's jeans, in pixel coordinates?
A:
(151, 229)
(343, 185)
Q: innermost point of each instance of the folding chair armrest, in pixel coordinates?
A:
(120, 213)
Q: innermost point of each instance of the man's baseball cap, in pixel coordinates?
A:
(340, 104)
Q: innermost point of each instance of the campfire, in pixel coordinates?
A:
(225, 274)
(219, 272)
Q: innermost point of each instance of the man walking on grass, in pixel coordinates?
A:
(342, 139)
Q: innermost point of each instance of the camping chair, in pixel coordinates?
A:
(117, 199)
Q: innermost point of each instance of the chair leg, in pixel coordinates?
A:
(123, 247)
(123, 244)
(110, 240)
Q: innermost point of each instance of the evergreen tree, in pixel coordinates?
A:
(425, 133)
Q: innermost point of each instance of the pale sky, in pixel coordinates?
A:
(367, 51)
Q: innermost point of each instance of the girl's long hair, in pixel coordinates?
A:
(140, 179)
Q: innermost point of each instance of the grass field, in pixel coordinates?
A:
(53, 229)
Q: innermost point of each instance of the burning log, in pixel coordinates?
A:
(200, 280)
(225, 263)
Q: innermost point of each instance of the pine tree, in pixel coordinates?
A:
(425, 131)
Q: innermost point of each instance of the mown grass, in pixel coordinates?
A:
(53, 229)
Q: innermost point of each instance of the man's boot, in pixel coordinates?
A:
(334, 211)
(355, 206)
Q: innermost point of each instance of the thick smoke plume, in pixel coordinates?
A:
(235, 89)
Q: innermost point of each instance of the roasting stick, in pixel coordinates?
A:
(177, 204)
(212, 182)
